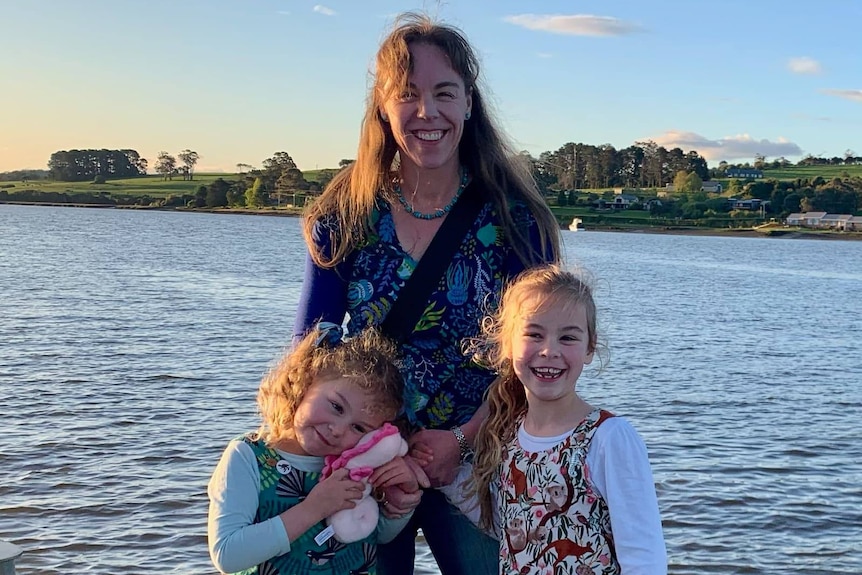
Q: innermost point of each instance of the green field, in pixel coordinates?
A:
(153, 186)
(811, 172)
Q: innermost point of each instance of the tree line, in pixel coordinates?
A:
(644, 164)
(573, 166)
(100, 165)
(84, 165)
(641, 165)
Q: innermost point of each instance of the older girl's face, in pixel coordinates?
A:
(427, 117)
(550, 347)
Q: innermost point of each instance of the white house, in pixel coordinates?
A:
(795, 219)
(844, 222)
(836, 221)
(812, 219)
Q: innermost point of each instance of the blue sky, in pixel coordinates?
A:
(238, 80)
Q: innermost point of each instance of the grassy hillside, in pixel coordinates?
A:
(154, 186)
(811, 172)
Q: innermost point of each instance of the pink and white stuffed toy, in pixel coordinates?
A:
(373, 450)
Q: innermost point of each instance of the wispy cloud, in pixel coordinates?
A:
(574, 24)
(544, 55)
(804, 65)
(284, 12)
(739, 147)
(321, 9)
(810, 118)
(854, 95)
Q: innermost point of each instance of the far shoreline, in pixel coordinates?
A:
(771, 233)
(787, 234)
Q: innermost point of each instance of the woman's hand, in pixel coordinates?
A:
(445, 454)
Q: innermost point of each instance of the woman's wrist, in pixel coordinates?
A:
(465, 451)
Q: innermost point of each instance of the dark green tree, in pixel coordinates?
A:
(791, 202)
(217, 193)
(85, 165)
(201, 197)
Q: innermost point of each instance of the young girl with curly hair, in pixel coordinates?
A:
(268, 501)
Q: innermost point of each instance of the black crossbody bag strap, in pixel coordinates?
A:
(413, 297)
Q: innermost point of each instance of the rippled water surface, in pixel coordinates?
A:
(131, 345)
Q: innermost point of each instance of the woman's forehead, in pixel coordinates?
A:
(430, 57)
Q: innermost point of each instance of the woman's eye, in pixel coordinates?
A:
(406, 96)
(448, 95)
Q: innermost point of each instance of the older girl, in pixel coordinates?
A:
(570, 483)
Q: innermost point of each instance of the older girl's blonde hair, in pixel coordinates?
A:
(491, 162)
(367, 359)
(534, 290)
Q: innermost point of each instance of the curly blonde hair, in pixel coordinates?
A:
(367, 359)
(534, 290)
(490, 160)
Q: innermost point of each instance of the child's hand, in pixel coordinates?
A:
(401, 471)
(335, 493)
(422, 453)
(401, 481)
(445, 452)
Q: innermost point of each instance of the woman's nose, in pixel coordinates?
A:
(427, 107)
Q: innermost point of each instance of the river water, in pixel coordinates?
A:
(132, 343)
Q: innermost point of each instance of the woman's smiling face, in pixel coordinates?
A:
(427, 116)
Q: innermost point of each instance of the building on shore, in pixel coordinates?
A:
(826, 221)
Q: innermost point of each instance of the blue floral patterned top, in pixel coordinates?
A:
(443, 386)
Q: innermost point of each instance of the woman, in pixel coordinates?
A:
(427, 142)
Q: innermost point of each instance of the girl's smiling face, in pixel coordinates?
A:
(550, 347)
(334, 414)
(427, 116)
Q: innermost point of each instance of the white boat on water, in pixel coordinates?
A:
(577, 224)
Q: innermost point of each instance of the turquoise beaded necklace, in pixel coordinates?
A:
(439, 213)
